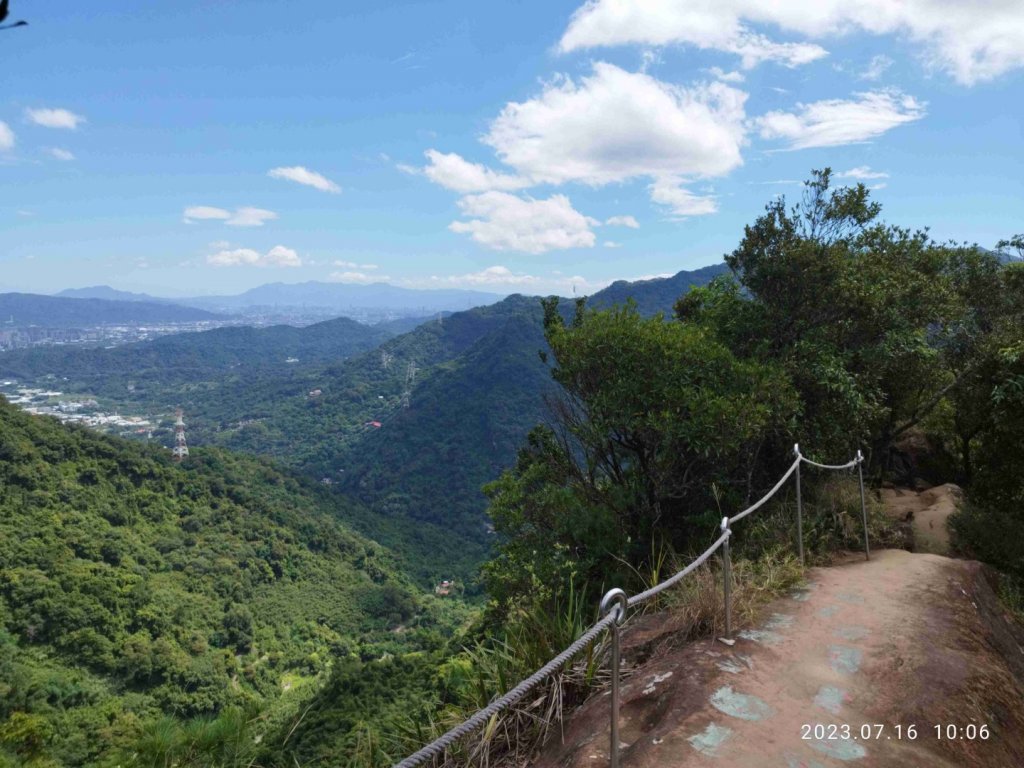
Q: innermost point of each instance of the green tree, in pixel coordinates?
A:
(651, 415)
(875, 324)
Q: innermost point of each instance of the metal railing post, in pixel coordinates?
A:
(614, 600)
(799, 508)
(863, 504)
(727, 578)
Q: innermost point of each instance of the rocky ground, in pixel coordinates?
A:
(834, 674)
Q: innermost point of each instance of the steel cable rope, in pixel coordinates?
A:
(481, 717)
(848, 465)
(764, 499)
(479, 720)
(658, 588)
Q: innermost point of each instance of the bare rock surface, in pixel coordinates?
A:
(832, 675)
(927, 511)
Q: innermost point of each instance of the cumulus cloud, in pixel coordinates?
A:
(622, 221)
(6, 137)
(61, 154)
(301, 175)
(834, 122)
(505, 222)
(716, 26)
(608, 127)
(861, 172)
(669, 192)
(54, 118)
(616, 125)
(242, 217)
(353, 265)
(278, 256)
(611, 244)
(454, 172)
(972, 42)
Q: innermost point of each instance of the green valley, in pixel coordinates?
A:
(131, 588)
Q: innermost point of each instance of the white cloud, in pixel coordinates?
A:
(972, 41)
(881, 185)
(705, 25)
(356, 277)
(622, 221)
(616, 125)
(301, 175)
(242, 217)
(726, 77)
(496, 275)
(6, 137)
(54, 118)
(755, 49)
(204, 212)
(353, 265)
(278, 256)
(455, 172)
(862, 172)
(505, 222)
(668, 191)
(250, 217)
(611, 244)
(501, 277)
(876, 67)
(61, 154)
(834, 122)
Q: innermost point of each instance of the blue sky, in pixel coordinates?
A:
(211, 146)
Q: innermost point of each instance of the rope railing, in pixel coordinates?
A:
(614, 607)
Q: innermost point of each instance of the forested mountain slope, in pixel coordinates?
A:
(131, 586)
(657, 294)
(162, 371)
(413, 427)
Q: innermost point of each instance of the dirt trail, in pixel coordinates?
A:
(927, 512)
(905, 639)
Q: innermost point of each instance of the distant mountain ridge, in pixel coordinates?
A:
(326, 298)
(111, 294)
(339, 296)
(27, 309)
(656, 294)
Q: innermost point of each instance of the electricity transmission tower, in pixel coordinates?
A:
(180, 449)
(410, 377)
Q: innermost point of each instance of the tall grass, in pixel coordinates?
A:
(832, 522)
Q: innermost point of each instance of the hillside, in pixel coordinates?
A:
(477, 389)
(131, 587)
(24, 309)
(658, 294)
(161, 370)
